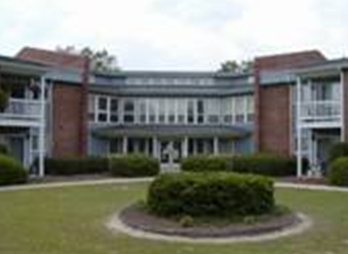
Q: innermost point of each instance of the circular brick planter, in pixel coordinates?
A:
(135, 222)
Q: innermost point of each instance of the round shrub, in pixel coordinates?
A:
(133, 165)
(4, 149)
(11, 171)
(210, 194)
(338, 172)
(338, 150)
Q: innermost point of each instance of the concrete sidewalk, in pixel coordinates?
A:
(148, 179)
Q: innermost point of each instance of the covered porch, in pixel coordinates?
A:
(169, 144)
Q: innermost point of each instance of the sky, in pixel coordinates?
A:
(177, 34)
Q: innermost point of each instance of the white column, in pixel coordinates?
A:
(299, 127)
(42, 128)
(154, 147)
(216, 145)
(125, 145)
(185, 147)
(342, 106)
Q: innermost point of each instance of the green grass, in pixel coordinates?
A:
(71, 220)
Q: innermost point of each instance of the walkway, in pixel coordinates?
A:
(148, 179)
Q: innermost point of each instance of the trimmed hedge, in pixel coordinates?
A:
(338, 150)
(210, 194)
(263, 164)
(11, 171)
(76, 166)
(133, 165)
(338, 172)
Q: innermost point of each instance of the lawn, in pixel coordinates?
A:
(71, 220)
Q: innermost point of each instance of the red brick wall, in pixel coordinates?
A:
(67, 108)
(272, 103)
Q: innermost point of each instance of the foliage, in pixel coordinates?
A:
(338, 172)
(100, 60)
(76, 166)
(11, 171)
(338, 150)
(4, 99)
(133, 165)
(232, 66)
(263, 164)
(4, 149)
(210, 194)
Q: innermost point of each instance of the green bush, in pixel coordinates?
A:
(263, 164)
(338, 150)
(4, 149)
(133, 165)
(11, 171)
(76, 166)
(210, 194)
(200, 163)
(338, 172)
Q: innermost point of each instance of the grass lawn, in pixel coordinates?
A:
(71, 220)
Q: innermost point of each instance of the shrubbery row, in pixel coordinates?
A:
(118, 165)
(263, 164)
(210, 194)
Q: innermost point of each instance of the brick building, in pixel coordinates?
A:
(288, 101)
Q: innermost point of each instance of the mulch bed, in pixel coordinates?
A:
(135, 217)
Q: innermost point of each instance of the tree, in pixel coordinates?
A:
(232, 66)
(100, 60)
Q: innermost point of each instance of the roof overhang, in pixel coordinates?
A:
(16, 66)
(148, 131)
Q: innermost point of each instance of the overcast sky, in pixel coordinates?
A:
(177, 34)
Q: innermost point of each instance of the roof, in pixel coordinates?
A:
(51, 58)
(14, 65)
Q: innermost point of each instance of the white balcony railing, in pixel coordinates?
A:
(23, 109)
(320, 111)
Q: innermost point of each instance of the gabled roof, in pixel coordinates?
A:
(51, 58)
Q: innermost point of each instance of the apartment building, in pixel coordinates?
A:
(290, 104)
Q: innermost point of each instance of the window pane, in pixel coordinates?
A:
(102, 103)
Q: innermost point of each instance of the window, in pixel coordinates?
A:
(200, 111)
(250, 108)
(227, 110)
(91, 108)
(162, 111)
(102, 109)
(128, 111)
(113, 110)
(239, 109)
(142, 111)
(190, 111)
(181, 110)
(213, 111)
(152, 110)
(171, 110)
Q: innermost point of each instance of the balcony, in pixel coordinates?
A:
(21, 112)
(319, 112)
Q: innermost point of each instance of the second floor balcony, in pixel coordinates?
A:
(19, 112)
(325, 111)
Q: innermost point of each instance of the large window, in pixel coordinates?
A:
(113, 110)
(128, 111)
(200, 111)
(102, 114)
(240, 109)
(190, 111)
(228, 110)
